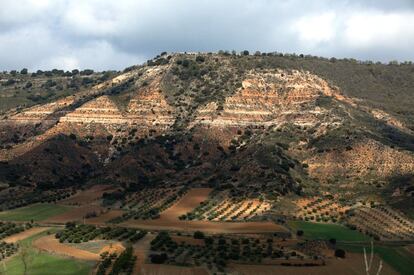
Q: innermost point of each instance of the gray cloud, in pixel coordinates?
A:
(105, 34)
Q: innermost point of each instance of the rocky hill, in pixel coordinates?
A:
(263, 125)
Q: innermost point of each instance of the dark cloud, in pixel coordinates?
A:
(104, 34)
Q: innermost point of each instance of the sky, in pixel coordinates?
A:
(111, 35)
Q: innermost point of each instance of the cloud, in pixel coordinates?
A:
(366, 30)
(106, 34)
(315, 29)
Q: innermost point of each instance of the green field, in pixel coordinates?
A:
(397, 257)
(327, 231)
(36, 212)
(42, 263)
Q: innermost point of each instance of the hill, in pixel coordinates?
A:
(258, 126)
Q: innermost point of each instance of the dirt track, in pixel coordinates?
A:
(207, 226)
(25, 234)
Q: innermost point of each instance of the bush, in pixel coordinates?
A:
(23, 71)
(200, 58)
(72, 136)
(199, 235)
(158, 258)
(299, 233)
(86, 72)
(340, 253)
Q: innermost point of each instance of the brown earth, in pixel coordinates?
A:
(75, 214)
(51, 244)
(87, 196)
(25, 234)
(187, 203)
(207, 226)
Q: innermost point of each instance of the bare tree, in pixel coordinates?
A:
(26, 256)
(368, 264)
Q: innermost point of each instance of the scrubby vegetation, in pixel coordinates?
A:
(7, 250)
(77, 233)
(215, 252)
(150, 203)
(23, 89)
(8, 228)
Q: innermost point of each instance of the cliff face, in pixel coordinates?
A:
(267, 99)
(266, 127)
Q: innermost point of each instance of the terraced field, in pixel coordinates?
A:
(148, 204)
(383, 223)
(219, 208)
(321, 209)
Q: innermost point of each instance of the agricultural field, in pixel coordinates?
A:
(215, 253)
(382, 223)
(76, 213)
(9, 228)
(43, 263)
(14, 197)
(35, 212)
(77, 233)
(321, 209)
(28, 232)
(88, 196)
(399, 258)
(170, 219)
(149, 204)
(222, 208)
(352, 264)
(7, 250)
(327, 231)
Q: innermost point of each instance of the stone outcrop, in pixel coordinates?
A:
(149, 107)
(267, 99)
(100, 110)
(40, 113)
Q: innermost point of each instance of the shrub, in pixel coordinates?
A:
(199, 235)
(72, 136)
(299, 233)
(200, 58)
(158, 258)
(86, 72)
(340, 253)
